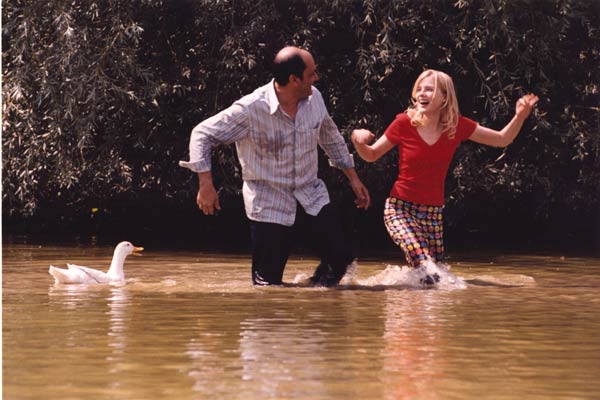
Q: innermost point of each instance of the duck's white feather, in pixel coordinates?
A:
(91, 273)
(66, 276)
(86, 275)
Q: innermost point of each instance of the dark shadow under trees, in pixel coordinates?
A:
(99, 98)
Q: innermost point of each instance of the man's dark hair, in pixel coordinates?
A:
(282, 69)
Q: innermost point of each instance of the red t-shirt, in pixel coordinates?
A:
(422, 167)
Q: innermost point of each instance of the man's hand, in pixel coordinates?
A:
(363, 200)
(207, 198)
(362, 194)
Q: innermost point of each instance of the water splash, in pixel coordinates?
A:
(428, 275)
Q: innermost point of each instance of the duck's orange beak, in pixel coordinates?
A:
(137, 251)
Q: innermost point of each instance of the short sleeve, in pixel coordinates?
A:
(393, 133)
(465, 128)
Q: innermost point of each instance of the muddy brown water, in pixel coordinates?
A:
(189, 325)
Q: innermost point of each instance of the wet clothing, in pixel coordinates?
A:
(278, 155)
(417, 229)
(422, 168)
(272, 243)
(279, 160)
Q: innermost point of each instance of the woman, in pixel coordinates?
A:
(427, 136)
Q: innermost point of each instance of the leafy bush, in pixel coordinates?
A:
(99, 98)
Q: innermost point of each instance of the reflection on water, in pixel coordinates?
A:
(191, 326)
(412, 337)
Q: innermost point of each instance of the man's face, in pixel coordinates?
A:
(309, 77)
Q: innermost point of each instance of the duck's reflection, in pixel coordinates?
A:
(118, 301)
(92, 317)
(76, 310)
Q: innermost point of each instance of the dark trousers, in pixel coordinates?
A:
(272, 244)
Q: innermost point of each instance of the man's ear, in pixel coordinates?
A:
(293, 78)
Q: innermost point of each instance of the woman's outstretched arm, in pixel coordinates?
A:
(505, 137)
(370, 153)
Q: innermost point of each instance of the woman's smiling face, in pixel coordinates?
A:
(428, 98)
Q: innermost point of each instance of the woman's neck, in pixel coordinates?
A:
(431, 120)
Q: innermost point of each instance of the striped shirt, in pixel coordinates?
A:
(278, 154)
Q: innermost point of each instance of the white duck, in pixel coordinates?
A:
(79, 274)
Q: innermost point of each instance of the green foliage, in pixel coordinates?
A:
(99, 96)
(73, 94)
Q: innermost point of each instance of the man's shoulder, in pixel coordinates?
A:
(316, 102)
(259, 97)
(316, 92)
(316, 95)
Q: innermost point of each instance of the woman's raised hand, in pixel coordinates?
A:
(525, 105)
(362, 136)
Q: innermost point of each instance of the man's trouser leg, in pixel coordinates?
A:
(332, 246)
(271, 245)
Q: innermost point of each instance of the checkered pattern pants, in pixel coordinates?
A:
(418, 229)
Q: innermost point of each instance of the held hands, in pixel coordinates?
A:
(525, 105)
(362, 136)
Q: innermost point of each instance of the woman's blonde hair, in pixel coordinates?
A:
(449, 109)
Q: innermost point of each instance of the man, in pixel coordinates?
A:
(276, 130)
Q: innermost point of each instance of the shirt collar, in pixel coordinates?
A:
(274, 101)
(272, 97)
